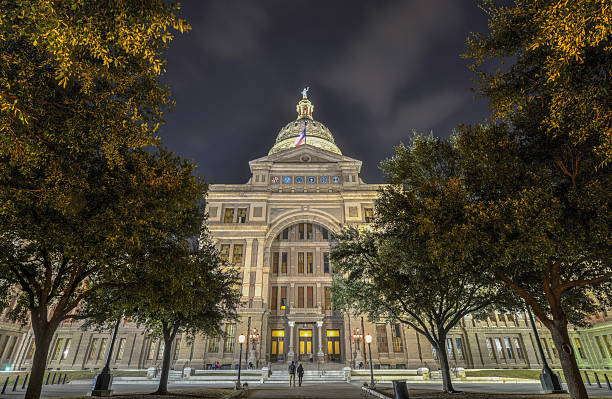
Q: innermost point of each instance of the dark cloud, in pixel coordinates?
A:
(377, 70)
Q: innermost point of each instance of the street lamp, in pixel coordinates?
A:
(357, 335)
(368, 339)
(548, 379)
(241, 339)
(252, 354)
(104, 381)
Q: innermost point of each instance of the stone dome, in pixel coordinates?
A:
(317, 134)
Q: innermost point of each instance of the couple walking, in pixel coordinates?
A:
(292, 371)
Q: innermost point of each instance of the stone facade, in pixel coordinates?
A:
(276, 229)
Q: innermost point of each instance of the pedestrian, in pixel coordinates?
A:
(213, 366)
(217, 365)
(360, 365)
(250, 365)
(292, 373)
(300, 373)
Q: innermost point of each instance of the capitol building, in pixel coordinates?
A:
(276, 228)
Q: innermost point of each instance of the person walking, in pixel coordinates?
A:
(292, 373)
(300, 373)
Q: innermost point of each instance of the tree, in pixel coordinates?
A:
(547, 225)
(80, 98)
(546, 236)
(561, 64)
(412, 267)
(174, 289)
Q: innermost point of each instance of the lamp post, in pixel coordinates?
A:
(357, 335)
(368, 339)
(104, 380)
(548, 379)
(252, 354)
(241, 339)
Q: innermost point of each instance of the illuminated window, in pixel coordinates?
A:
(237, 254)
(102, 350)
(327, 298)
(228, 216)
(309, 231)
(152, 350)
(517, 348)
(58, 348)
(309, 297)
(284, 263)
(381, 338)
(274, 298)
(309, 262)
(301, 262)
(120, 349)
(241, 215)
(508, 348)
(459, 348)
(230, 332)
(66, 349)
(608, 343)
(92, 349)
(499, 348)
(300, 297)
(325, 262)
(213, 344)
(283, 295)
(224, 252)
(578, 345)
(396, 337)
(368, 214)
(601, 348)
(275, 263)
(31, 350)
(490, 348)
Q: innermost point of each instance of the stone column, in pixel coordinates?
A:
(320, 354)
(290, 354)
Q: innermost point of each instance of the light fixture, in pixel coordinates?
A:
(368, 339)
(241, 338)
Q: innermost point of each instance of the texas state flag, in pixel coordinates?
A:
(302, 137)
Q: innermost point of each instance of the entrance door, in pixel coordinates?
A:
(305, 345)
(333, 345)
(278, 346)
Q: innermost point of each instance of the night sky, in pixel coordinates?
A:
(376, 69)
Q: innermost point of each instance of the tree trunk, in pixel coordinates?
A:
(162, 389)
(575, 385)
(447, 384)
(43, 332)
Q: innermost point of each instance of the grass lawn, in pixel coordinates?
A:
(70, 375)
(426, 394)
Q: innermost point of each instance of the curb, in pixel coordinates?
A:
(374, 393)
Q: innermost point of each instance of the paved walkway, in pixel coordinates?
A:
(331, 391)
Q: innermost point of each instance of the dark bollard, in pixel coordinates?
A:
(64, 380)
(587, 377)
(608, 382)
(47, 380)
(53, 379)
(597, 380)
(5, 384)
(400, 389)
(25, 380)
(15, 383)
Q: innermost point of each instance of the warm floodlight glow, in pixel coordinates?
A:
(368, 338)
(241, 338)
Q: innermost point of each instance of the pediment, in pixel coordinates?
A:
(303, 153)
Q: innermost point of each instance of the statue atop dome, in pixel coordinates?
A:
(304, 108)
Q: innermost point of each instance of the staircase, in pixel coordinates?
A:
(310, 376)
